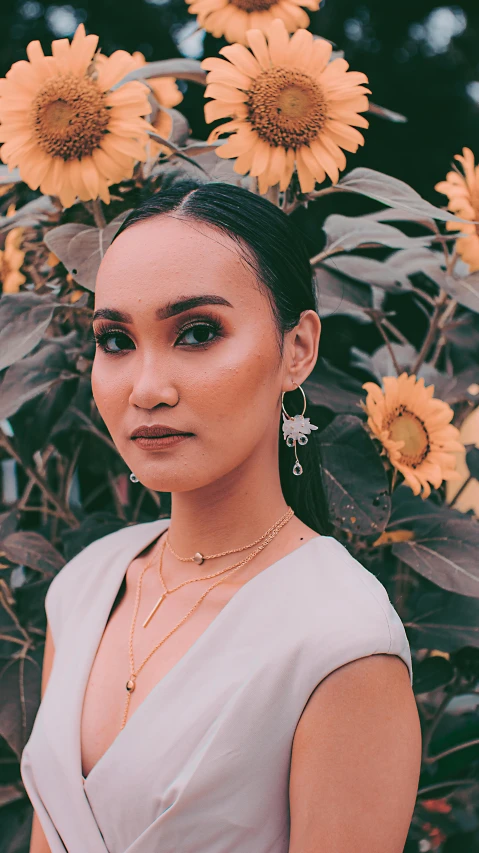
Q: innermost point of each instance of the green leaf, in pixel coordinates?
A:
(30, 377)
(8, 176)
(24, 318)
(30, 549)
(354, 478)
(391, 274)
(345, 233)
(30, 215)
(392, 192)
(463, 290)
(82, 247)
(182, 69)
(445, 554)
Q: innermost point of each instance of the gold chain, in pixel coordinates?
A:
(199, 558)
(213, 574)
(130, 685)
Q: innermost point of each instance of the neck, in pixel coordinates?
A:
(230, 511)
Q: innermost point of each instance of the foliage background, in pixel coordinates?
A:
(422, 61)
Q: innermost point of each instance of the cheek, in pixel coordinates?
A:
(107, 389)
(240, 390)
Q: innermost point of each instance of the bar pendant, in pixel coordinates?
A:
(150, 616)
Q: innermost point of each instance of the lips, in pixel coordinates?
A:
(156, 431)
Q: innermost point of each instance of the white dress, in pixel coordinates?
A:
(202, 765)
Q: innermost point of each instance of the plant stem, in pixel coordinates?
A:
(431, 758)
(378, 324)
(98, 214)
(460, 491)
(433, 327)
(436, 720)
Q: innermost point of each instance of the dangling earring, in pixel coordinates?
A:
(133, 478)
(296, 428)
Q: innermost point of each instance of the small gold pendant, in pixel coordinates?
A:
(150, 615)
(130, 685)
(198, 558)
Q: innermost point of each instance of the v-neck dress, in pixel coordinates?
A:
(203, 764)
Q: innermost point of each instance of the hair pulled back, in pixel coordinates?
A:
(277, 252)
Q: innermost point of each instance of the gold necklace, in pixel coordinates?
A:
(131, 683)
(199, 557)
(162, 597)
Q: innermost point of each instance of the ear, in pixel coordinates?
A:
(301, 349)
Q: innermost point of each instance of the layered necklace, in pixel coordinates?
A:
(198, 558)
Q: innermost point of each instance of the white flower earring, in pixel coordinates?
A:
(296, 428)
(133, 478)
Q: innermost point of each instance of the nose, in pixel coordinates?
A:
(151, 389)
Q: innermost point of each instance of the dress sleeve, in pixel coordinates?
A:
(358, 618)
(61, 591)
(382, 629)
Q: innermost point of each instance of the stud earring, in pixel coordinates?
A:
(295, 429)
(133, 478)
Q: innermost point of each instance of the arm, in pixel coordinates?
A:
(38, 842)
(356, 761)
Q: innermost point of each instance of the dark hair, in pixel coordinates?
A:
(270, 242)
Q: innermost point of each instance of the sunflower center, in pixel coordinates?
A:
(69, 117)
(406, 426)
(254, 5)
(286, 107)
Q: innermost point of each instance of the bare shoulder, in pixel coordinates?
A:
(356, 760)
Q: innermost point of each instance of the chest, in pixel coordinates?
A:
(105, 697)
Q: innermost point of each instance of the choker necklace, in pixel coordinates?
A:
(287, 515)
(199, 557)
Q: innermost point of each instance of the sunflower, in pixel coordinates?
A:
(415, 431)
(232, 18)
(289, 106)
(11, 261)
(64, 128)
(463, 194)
(168, 95)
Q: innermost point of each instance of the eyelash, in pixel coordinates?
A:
(103, 332)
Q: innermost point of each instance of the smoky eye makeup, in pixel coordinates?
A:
(197, 332)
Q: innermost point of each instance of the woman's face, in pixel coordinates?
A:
(211, 370)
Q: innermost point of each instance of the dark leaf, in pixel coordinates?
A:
(354, 478)
(392, 192)
(82, 247)
(329, 387)
(432, 673)
(336, 295)
(24, 318)
(414, 512)
(445, 554)
(95, 525)
(30, 377)
(444, 621)
(20, 681)
(33, 550)
(472, 461)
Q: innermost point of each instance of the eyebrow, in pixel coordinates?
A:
(167, 310)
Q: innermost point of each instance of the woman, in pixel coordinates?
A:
(228, 679)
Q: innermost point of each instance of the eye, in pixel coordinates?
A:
(102, 337)
(199, 332)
